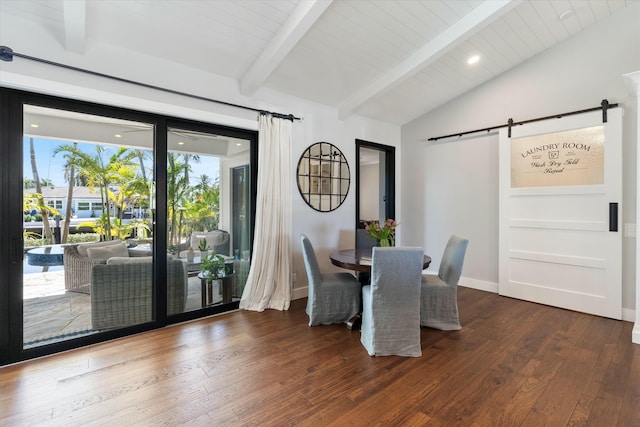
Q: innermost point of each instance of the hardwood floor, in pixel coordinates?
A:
(514, 363)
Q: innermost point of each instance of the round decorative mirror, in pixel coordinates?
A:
(323, 176)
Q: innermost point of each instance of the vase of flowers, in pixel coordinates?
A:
(384, 233)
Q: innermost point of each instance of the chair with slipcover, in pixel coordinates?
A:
(391, 303)
(439, 293)
(364, 240)
(333, 297)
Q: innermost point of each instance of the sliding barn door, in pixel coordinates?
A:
(560, 209)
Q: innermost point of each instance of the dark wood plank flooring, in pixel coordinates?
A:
(514, 363)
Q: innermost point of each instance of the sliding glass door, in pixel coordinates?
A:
(87, 225)
(203, 219)
(106, 215)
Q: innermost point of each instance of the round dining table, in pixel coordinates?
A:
(360, 259)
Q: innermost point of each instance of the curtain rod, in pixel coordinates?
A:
(7, 54)
(604, 106)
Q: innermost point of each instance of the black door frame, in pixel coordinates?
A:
(11, 221)
(390, 177)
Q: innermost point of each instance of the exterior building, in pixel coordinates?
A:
(85, 202)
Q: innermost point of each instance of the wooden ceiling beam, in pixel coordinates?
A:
(478, 18)
(296, 26)
(75, 25)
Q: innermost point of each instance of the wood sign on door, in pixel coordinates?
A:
(573, 157)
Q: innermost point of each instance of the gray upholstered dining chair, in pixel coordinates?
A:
(333, 297)
(391, 304)
(439, 293)
(364, 240)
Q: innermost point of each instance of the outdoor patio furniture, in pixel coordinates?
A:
(78, 263)
(217, 241)
(122, 291)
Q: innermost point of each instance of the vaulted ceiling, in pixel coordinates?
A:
(391, 60)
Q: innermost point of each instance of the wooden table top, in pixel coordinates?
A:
(360, 259)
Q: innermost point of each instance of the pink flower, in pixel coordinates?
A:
(382, 230)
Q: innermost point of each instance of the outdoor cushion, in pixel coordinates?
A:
(214, 238)
(129, 260)
(106, 252)
(83, 247)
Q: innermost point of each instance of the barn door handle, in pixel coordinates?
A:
(613, 217)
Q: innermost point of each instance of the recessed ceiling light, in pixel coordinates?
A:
(565, 14)
(33, 125)
(117, 135)
(239, 144)
(472, 60)
(180, 142)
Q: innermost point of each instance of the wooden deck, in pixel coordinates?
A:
(514, 363)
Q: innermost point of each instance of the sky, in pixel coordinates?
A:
(52, 167)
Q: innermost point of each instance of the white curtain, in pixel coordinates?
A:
(269, 281)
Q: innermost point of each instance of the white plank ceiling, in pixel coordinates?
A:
(391, 60)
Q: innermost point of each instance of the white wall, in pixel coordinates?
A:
(327, 231)
(455, 182)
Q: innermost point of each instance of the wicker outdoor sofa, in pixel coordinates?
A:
(78, 265)
(122, 294)
(120, 282)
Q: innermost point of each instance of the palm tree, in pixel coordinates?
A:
(177, 192)
(31, 201)
(69, 175)
(100, 172)
(142, 155)
(46, 182)
(48, 236)
(202, 212)
(203, 183)
(187, 158)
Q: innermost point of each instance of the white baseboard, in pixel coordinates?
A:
(635, 335)
(480, 285)
(628, 315)
(299, 293)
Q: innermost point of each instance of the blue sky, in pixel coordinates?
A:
(53, 167)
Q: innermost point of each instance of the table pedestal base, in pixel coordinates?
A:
(354, 322)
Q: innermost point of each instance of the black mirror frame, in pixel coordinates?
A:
(323, 177)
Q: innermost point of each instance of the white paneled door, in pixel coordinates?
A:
(560, 209)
